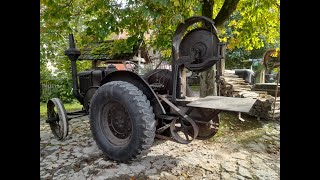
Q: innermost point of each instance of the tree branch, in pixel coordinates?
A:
(227, 9)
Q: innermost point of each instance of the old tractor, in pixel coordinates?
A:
(127, 111)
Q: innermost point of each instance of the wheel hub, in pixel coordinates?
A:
(116, 123)
(204, 44)
(119, 121)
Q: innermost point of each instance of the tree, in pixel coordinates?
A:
(207, 78)
(242, 24)
(251, 12)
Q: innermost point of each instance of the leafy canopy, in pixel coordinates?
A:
(254, 24)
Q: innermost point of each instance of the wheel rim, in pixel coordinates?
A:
(180, 131)
(116, 123)
(59, 126)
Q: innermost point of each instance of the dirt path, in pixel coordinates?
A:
(253, 153)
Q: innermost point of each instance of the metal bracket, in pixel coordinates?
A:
(239, 117)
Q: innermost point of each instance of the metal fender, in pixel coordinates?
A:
(140, 83)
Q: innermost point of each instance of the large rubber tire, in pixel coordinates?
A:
(141, 117)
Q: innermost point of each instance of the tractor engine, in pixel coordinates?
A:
(89, 82)
(89, 79)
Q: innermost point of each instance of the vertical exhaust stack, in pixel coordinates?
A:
(73, 53)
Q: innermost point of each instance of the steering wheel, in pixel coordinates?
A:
(131, 66)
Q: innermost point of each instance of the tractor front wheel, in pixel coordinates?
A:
(57, 118)
(122, 120)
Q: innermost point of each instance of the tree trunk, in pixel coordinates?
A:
(207, 82)
(208, 85)
(207, 10)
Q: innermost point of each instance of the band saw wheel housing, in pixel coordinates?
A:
(203, 41)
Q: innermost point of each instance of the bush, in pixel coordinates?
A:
(61, 89)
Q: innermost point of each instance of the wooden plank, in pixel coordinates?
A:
(184, 81)
(224, 103)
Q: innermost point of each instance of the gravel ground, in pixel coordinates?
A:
(224, 157)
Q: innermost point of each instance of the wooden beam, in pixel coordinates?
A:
(184, 81)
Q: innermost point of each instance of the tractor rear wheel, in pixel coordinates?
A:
(122, 120)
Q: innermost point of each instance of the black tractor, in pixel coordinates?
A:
(127, 111)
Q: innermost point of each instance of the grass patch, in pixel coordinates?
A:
(195, 88)
(231, 121)
(231, 128)
(68, 106)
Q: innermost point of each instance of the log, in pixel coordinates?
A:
(233, 86)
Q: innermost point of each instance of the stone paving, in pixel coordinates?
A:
(79, 158)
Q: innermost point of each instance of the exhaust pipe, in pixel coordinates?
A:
(73, 53)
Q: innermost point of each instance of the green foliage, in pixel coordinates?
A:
(254, 24)
(235, 57)
(61, 88)
(118, 49)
